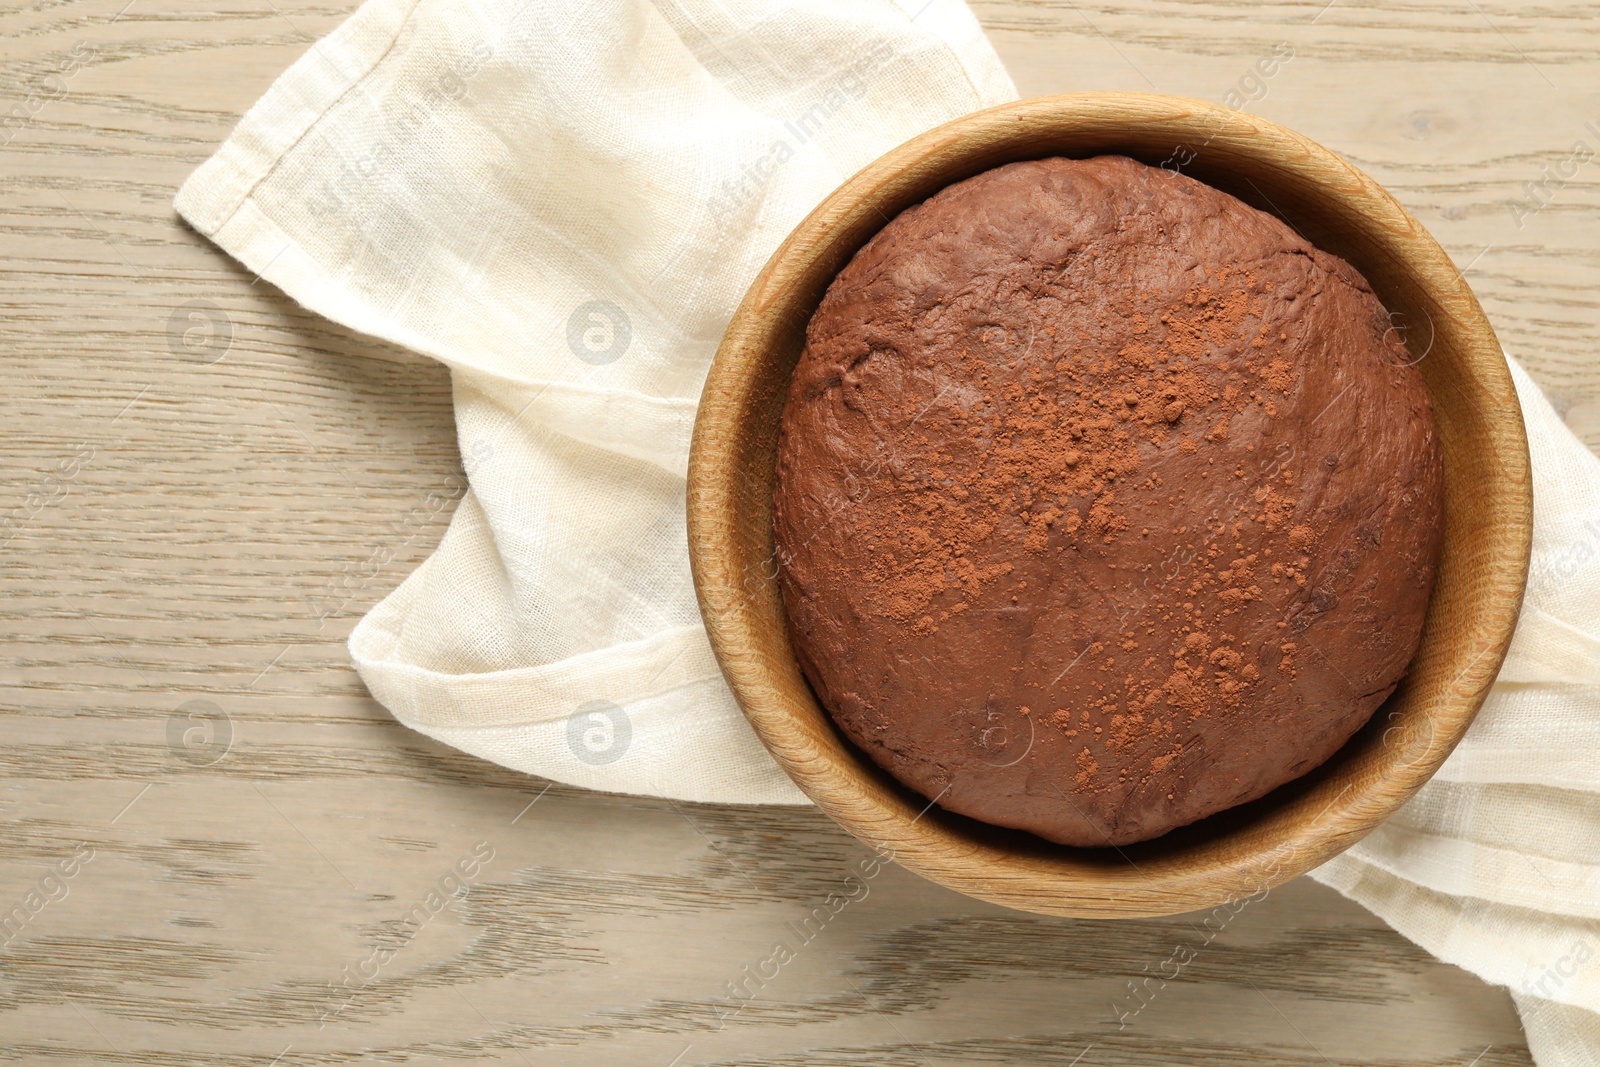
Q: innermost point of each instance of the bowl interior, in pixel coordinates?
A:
(1238, 852)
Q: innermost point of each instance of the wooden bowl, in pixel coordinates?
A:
(1237, 853)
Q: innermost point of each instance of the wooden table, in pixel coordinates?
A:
(266, 842)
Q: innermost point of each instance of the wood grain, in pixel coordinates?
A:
(183, 561)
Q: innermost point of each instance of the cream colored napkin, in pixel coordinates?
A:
(564, 203)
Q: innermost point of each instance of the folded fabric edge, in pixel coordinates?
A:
(301, 95)
(650, 429)
(1393, 899)
(963, 34)
(1548, 650)
(746, 774)
(535, 719)
(1432, 861)
(666, 660)
(1559, 1035)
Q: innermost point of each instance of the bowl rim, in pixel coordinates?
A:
(1034, 875)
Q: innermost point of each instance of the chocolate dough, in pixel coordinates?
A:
(1104, 501)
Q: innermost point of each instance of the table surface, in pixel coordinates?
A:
(265, 863)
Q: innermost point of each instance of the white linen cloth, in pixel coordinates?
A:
(564, 202)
